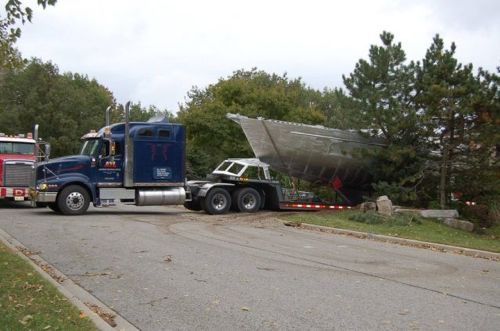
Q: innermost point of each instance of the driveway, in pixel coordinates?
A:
(165, 268)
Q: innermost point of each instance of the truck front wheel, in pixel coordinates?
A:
(247, 200)
(73, 200)
(217, 201)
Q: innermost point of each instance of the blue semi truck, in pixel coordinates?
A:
(143, 163)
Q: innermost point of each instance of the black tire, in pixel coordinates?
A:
(217, 201)
(247, 200)
(54, 207)
(73, 200)
(194, 205)
(234, 198)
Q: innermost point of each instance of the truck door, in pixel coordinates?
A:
(109, 166)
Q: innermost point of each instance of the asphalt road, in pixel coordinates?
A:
(164, 268)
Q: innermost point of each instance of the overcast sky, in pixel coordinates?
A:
(154, 51)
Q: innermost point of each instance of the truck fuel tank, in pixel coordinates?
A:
(163, 196)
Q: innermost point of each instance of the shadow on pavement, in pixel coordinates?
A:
(14, 204)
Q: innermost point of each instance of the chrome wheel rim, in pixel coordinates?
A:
(249, 201)
(219, 201)
(75, 201)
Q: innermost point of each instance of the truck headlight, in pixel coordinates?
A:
(42, 186)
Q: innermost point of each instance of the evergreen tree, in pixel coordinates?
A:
(478, 174)
(382, 91)
(446, 90)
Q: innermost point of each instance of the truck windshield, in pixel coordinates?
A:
(16, 148)
(90, 147)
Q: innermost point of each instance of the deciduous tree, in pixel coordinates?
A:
(212, 137)
(10, 31)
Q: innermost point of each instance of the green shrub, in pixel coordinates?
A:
(477, 214)
(368, 218)
(404, 219)
(494, 211)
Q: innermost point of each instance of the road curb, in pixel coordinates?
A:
(405, 242)
(78, 296)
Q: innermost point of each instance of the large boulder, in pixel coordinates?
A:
(439, 213)
(458, 224)
(368, 206)
(384, 205)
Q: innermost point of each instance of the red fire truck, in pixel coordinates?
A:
(18, 154)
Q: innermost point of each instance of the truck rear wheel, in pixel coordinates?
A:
(73, 200)
(217, 201)
(247, 200)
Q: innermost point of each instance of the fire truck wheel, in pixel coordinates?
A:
(54, 207)
(217, 201)
(247, 200)
(73, 200)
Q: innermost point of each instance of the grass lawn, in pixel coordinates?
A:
(422, 229)
(29, 302)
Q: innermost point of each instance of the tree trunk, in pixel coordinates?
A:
(443, 179)
(446, 169)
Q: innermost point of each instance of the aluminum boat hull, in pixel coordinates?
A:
(310, 152)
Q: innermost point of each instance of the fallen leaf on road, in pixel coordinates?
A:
(92, 274)
(168, 258)
(245, 308)
(404, 312)
(108, 317)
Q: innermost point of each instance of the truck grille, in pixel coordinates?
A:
(17, 173)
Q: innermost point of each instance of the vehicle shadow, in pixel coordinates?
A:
(92, 213)
(4, 204)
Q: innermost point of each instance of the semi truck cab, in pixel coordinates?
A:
(18, 154)
(140, 163)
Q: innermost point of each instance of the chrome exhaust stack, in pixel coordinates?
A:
(108, 115)
(128, 163)
(33, 171)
